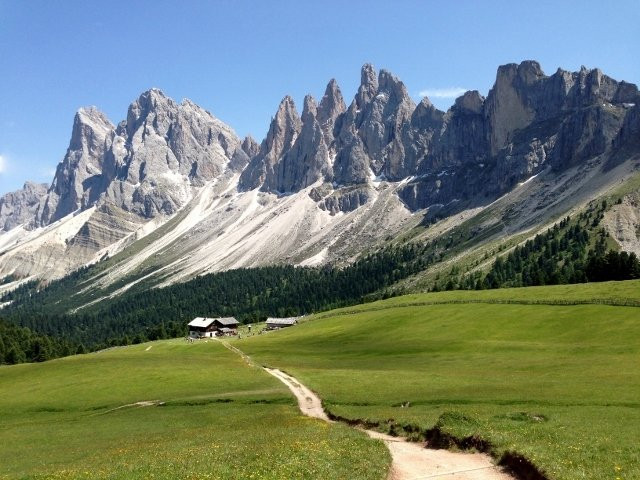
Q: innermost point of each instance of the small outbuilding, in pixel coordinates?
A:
(227, 331)
(277, 323)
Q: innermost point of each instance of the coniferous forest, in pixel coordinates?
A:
(572, 251)
(19, 344)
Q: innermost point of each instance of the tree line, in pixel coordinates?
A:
(249, 294)
(19, 345)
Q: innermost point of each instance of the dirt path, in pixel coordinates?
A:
(410, 461)
(308, 401)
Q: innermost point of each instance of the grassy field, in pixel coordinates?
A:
(559, 384)
(209, 415)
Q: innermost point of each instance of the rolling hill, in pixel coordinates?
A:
(546, 374)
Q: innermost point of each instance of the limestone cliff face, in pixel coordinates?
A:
(283, 132)
(19, 207)
(79, 178)
(528, 122)
(164, 150)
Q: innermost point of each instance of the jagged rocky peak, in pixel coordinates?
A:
(165, 150)
(381, 121)
(283, 131)
(426, 116)
(152, 101)
(594, 86)
(19, 207)
(309, 109)
(529, 71)
(331, 105)
(147, 165)
(368, 85)
(308, 159)
(90, 129)
(389, 84)
(78, 179)
(470, 102)
(250, 146)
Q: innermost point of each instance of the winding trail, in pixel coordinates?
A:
(410, 460)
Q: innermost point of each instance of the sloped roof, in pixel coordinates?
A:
(202, 322)
(226, 321)
(282, 321)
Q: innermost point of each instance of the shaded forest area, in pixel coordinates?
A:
(19, 345)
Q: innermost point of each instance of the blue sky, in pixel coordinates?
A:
(239, 58)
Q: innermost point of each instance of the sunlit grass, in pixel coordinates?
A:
(557, 383)
(211, 416)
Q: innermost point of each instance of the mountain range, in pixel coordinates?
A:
(172, 192)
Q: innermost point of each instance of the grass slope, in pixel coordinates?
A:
(556, 383)
(74, 418)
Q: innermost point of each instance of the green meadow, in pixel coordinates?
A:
(206, 414)
(520, 368)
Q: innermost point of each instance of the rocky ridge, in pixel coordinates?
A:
(139, 174)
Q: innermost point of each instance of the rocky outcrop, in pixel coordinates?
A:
(250, 147)
(346, 199)
(164, 150)
(329, 110)
(283, 131)
(19, 207)
(79, 178)
(307, 161)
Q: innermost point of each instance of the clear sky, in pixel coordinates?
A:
(238, 58)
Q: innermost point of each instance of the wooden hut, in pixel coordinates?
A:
(277, 323)
(201, 327)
